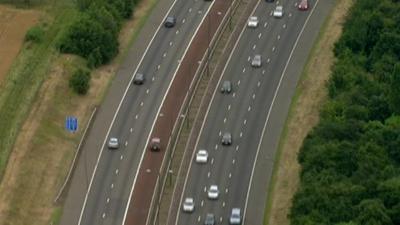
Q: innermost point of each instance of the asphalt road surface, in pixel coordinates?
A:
(114, 172)
(244, 113)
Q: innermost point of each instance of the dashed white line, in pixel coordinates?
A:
(112, 186)
(244, 122)
(290, 14)
(190, 9)
(254, 96)
(225, 120)
(136, 117)
(104, 215)
(152, 79)
(230, 175)
(126, 143)
(198, 219)
(212, 161)
(248, 109)
(116, 171)
(205, 189)
(273, 48)
(220, 133)
(258, 84)
(284, 25)
(233, 161)
(254, 47)
(226, 190)
(238, 82)
(248, 59)
(208, 174)
(202, 203)
(177, 32)
(170, 43)
(279, 37)
(216, 147)
(158, 67)
(141, 104)
(244, 69)
(259, 35)
(229, 107)
(220, 219)
(165, 54)
(268, 60)
(121, 157)
(237, 147)
(147, 91)
(183, 21)
(241, 134)
(131, 130)
(223, 204)
(233, 95)
(263, 72)
(266, 23)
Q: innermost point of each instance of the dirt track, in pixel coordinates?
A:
(13, 25)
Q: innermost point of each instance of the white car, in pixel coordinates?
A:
(188, 205)
(252, 22)
(278, 12)
(256, 61)
(202, 156)
(113, 143)
(213, 192)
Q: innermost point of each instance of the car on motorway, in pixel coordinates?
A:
(226, 139)
(278, 11)
(252, 22)
(226, 87)
(256, 61)
(210, 219)
(188, 205)
(303, 5)
(235, 217)
(155, 144)
(213, 192)
(269, 0)
(170, 21)
(113, 143)
(202, 156)
(138, 78)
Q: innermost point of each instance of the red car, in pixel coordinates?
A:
(303, 5)
(155, 144)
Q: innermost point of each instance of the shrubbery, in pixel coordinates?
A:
(80, 81)
(351, 160)
(34, 34)
(94, 34)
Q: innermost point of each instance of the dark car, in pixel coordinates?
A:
(138, 79)
(155, 144)
(226, 139)
(269, 0)
(170, 21)
(210, 219)
(226, 87)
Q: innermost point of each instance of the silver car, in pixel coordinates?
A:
(188, 205)
(226, 87)
(252, 22)
(138, 79)
(213, 192)
(256, 62)
(235, 217)
(226, 138)
(113, 143)
(210, 219)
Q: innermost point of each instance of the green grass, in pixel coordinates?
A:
(25, 79)
(292, 109)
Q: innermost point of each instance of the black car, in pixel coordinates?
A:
(170, 21)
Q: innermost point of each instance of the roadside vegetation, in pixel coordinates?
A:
(351, 160)
(41, 88)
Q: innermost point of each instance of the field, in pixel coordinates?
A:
(304, 114)
(13, 25)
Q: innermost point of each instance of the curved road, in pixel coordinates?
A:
(115, 171)
(244, 113)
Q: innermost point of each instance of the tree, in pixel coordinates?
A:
(395, 89)
(80, 81)
(373, 212)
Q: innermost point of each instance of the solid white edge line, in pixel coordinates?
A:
(208, 109)
(270, 109)
(116, 113)
(158, 111)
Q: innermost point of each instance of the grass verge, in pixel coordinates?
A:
(303, 114)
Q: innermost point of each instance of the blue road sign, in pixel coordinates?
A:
(71, 123)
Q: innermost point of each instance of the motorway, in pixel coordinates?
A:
(243, 113)
(115, 171)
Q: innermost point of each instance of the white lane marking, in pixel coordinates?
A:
(241, 134)
(209, 106)
(208, 174)
(238, 82)
(115, 116)
(165, 54)
(254, 47)
(183, 21)
(177, 32)
(216, 147)
(170, 43)
(248, 59)
(205, 189)
(104, 215)
(131, 130)
(270, 109)
(121, 157)
(258, 84)
(284, 26)
(237, 147)
(290, 14)
(271, 13)
(220, 219)
(263, 72)
(220, 133)
(254, 96)
(158, 67)
(265, 24)
(136, 116)
(152, 79)
(198, 219)
(268, 60)
(230, 175)
(147, 91)
(248, 109)
(223, 204)
(244, 69)
(108, 200)
(159, 108)
(190, 9)
(199, 12)
(116, 172)
(112, 186)
(279, 37)
(229, 107)
(126, 143)
(233, 161)
(259, 35)
(141, 104)
(273, 48)
(212, 161)
(233, 95)
(244, 122)
(225, 120)
(226, 190)
(202, 203)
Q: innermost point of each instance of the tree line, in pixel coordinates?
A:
(351, 160)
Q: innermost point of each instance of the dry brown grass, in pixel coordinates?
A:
(304, 114)
(43, 150)
(13, 25)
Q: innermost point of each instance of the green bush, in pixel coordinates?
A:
(80, 81)
(34, 34)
